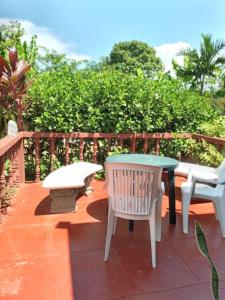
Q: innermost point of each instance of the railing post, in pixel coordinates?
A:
(14, 166)
(21, 162)
(52, 153)
(95, 149)
(2, 173)
(11, 171)
(157, 146)
(133, 145)
(17, 166)
(81, 149)
(121, 142)
(145, 145)
(108, 146)
(2, 180)
(67, 155)
(37, 159)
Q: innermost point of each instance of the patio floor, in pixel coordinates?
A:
(60, 256)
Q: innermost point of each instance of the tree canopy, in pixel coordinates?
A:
(131, 56)
(12, 36)
(201, 65)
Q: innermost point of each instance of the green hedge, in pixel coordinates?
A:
(110, 101)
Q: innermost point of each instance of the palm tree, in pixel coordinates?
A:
(201, 65)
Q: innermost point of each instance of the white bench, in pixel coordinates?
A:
(66, 182)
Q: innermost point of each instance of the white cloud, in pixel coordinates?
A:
(169, 51)
(46, 38)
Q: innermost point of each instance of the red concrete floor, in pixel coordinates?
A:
(60, 256)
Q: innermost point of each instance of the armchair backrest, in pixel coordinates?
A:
(132, 188)
(220, 171)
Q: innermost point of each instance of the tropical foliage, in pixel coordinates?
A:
(13, 84)
(11, 37)
(203, 248)
(200, 66)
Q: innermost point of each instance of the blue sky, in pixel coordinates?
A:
(89, 29)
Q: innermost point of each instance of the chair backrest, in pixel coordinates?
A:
(220, 171)
(132, 188)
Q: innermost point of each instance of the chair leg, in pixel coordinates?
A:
(152, 237)
(158, 216)
(111, 216)
(114, 225)
(216, 211)
(221, 212)
(186, 199)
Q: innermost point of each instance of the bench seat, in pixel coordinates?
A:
(66, 182)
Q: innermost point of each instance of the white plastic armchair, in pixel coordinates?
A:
(135, 193)
(184, 169)
(209, 186)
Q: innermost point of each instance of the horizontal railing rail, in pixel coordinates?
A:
(209, 139)
(28, 134)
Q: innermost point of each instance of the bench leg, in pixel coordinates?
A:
(87, 188)
(63, 200)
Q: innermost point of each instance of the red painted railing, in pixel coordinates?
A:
(12, 148)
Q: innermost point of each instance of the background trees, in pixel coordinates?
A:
(200, 66)
(12, 37)
(130, 56)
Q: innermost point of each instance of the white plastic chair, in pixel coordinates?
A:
(209, 186)
(135, 193)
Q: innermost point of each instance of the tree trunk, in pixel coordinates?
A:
(19, 116)
(20, 121)
(202, 83)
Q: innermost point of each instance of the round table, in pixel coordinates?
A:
(166, 163)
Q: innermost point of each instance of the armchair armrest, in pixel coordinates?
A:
(202, 177)
(208, 178)
(208, 181)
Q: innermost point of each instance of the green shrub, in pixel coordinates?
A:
(110, 101)
(215, 127)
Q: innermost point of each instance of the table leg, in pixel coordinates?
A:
(131, 225)
(172, 207)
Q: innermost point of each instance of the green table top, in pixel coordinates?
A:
(144, 159)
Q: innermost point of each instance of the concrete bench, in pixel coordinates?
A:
(66, 182)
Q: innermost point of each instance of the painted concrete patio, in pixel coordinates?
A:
(60, 256)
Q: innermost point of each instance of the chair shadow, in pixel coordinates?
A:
(98, 209)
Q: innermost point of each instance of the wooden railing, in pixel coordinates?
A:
(12, 148)
(12, 151)
(121, 139)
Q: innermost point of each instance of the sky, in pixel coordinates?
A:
(88, 29)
